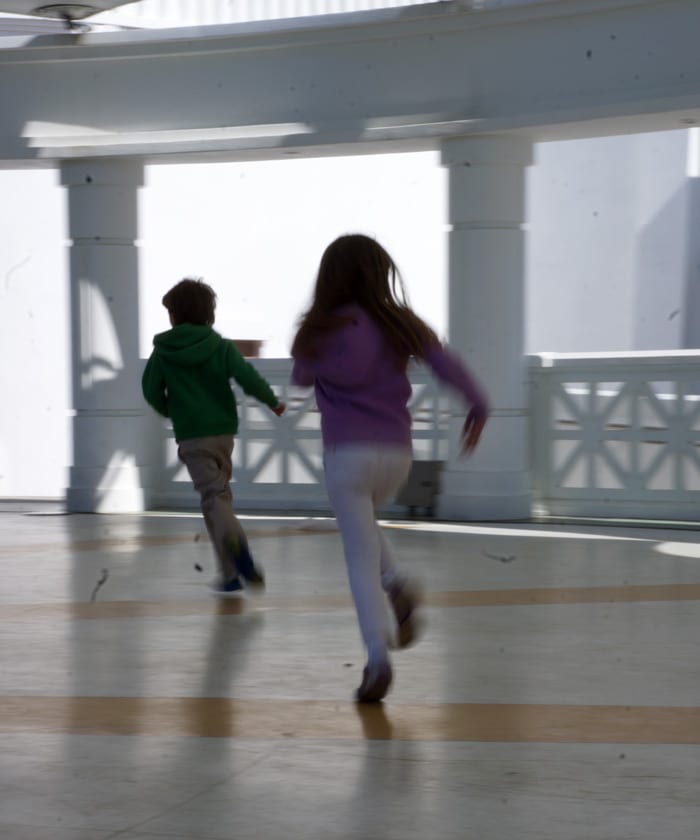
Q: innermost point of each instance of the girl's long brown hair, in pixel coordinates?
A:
(356, 269)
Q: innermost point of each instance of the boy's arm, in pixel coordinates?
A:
(250, 380)
(153, 386)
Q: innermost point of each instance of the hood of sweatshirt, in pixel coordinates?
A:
(187, 345)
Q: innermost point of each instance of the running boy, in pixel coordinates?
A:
(187, 378)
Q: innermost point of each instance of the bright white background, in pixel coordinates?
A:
(256, 232)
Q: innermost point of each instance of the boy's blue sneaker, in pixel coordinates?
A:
(243, 561)
(226, 587)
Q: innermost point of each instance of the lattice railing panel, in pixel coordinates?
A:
(278, 462)
(617, 435)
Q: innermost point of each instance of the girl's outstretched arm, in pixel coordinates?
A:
(471, 432)
(451, 370)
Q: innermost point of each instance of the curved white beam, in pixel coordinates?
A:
(393, 79)
(76, 10)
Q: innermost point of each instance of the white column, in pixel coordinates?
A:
(112, 433)
(486, 323)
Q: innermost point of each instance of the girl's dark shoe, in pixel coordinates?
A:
(405, 598)
(376, 680)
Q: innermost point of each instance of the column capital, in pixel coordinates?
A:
(486, 149)
(102, 203)
(113, 172)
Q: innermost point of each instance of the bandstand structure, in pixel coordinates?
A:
(479, 83)
(554, 694)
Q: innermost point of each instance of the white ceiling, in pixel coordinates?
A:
(43, 8)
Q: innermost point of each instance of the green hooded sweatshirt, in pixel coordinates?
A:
(187, 378)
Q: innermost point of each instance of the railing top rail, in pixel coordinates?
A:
(417, 372)
(643, 359)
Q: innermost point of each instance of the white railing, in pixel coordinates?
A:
(616, 434)
(278, 461)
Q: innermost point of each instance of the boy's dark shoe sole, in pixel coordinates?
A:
(243, 561)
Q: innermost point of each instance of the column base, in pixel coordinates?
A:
(481, 508)
(120, 489)
(481, 497)
(89, 500)
(114, 490)
(119, 459)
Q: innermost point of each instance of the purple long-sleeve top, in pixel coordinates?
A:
(362, 386)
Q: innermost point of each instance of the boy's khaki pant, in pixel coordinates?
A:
(208, 461)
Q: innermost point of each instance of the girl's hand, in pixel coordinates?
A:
(473, 426)
(279, 409)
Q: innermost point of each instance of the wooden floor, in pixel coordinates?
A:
(555, 694)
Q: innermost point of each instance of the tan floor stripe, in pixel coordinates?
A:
(143, 541)
(567, 595)
(305, 719)
(335, 601)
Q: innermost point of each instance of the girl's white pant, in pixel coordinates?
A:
(359, 479)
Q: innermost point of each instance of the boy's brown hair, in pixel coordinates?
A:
(191, 301)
